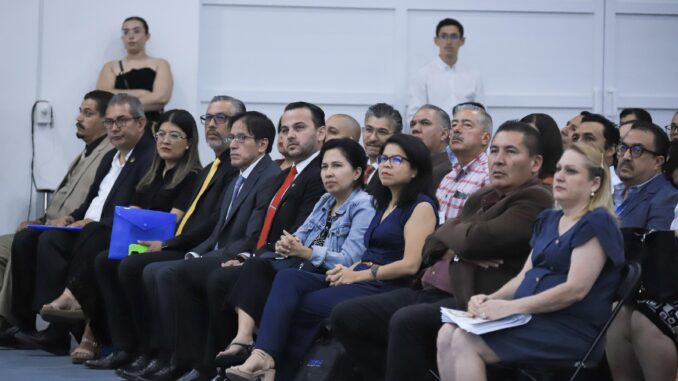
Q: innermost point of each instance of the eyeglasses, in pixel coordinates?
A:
(219, 119)
(394, 160)
(382, 132)
(120, 122)
(451, 37)
(240, 138)
(637, 150)
(173, 136)
(671, 127)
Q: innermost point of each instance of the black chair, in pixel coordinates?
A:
(557, 370)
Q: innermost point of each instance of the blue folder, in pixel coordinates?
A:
(131, 225)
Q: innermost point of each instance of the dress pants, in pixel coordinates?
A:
(66, 259)
(5, 277)
(128, 310)
(299, 304)
(24, 253)
(392, 336)
(182, 287)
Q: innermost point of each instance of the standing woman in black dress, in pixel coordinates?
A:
(147, 78)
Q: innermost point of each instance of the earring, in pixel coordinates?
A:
(593, 194)
(186, 148)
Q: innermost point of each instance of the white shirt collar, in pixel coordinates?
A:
(116, 158)
(304, 163)
(443, 65)
(246, 172)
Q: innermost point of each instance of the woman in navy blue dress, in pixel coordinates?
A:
(300, 301)
(567, 284)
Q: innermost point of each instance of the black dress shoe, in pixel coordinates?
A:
(114, 360)
(196, 375)
(7, 336)
(152, 367)
(168, 373)
(139, 363)
(52, 341)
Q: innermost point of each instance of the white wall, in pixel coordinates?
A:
(557, 57)
(78, 37)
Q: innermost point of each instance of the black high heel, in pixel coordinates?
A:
(237, 358)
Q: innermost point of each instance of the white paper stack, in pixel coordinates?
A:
(480, 326)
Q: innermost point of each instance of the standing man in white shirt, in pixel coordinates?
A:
(445, 82)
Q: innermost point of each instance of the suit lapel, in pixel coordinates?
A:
(644, 195)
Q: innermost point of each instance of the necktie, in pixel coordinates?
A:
(273, 207)
(210, 175)
(368, 172)
(236, 189)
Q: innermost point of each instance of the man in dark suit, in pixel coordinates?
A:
(294, 194)
(392, 336)
(645, 198)
(381, 122)
(114, 184)
(128, 309)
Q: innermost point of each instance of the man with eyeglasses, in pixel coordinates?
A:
(181, 285)
(69, 195)
(381, 122)
(672, 128)
(600, 132)
(645, 198)
(131, 334)
(445, 82)
(114, 184)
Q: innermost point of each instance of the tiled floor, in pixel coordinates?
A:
(25, 365)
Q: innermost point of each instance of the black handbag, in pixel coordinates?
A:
(325, 361)
(657, 253)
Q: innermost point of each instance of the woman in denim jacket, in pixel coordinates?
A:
(333, 234)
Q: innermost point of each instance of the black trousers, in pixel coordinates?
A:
(125, 313)
(24, 253)
(183, 287)
(392, 336)
(128, 310)
(66, 259)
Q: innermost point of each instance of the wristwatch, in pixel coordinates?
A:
(373, 271)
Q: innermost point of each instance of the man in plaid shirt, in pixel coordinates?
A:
(470, 134)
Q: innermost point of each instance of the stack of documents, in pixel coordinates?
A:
(479, 326)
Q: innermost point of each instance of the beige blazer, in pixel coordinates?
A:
(74, 187)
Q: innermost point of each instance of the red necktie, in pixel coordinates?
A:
(273, 207)
(368, 172)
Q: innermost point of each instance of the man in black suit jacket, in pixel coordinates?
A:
(236, 229)
(114, 184)
(120, 281)
(302, 124)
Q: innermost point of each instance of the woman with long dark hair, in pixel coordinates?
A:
(300, 301)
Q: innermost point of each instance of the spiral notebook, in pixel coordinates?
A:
(480, 326)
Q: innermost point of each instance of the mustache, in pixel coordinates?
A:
(80, 126)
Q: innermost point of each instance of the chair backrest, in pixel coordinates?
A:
(630, 279)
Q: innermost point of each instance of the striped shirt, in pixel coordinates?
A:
(459, 184)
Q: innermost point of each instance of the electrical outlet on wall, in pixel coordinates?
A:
(42, 114)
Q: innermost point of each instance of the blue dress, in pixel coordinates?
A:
(565, 334)
(300, 301)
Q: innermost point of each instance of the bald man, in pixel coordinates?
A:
(342, 126)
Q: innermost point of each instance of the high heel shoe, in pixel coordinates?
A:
(228, 360)
(266, 371)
